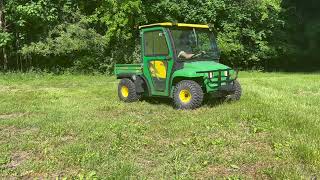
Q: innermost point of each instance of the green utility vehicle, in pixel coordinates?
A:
(180, 61)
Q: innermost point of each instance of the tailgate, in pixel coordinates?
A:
(128, 69)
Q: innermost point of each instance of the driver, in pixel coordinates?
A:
(185, 46)
(185, 55)
(190, 56)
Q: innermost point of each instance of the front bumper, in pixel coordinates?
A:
(221, 81)
(227, 89)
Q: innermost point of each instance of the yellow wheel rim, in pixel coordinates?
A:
(185, 96)
(125, 91)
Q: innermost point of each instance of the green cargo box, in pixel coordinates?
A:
(128, 69)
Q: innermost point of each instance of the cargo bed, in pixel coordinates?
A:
(124, 70)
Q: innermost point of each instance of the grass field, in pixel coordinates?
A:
(74, 126)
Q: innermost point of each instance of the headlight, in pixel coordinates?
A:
(226, 74)
(210, 75)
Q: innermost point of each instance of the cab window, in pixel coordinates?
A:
(155, 44)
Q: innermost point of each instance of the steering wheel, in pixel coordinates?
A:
(199, 54)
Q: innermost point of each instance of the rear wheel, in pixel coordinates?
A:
(188, 95)
(127, 91)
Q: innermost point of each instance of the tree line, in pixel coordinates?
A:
(91, 36)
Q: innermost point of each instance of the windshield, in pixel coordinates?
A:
(195, 44)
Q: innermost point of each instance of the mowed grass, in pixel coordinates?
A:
(74, 126)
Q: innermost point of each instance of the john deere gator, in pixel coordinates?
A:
(179, 61)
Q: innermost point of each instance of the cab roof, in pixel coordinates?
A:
(170, 24)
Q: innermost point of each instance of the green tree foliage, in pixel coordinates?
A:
(74, 44)
(95, 40)
(5, 38)
(94, 35)
(27, 22)
(302, 35)
(244, 28)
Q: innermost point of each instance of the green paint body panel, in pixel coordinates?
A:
(191, 69)
(128, 69)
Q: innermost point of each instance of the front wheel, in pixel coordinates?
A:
(237, 92)
(188, 95)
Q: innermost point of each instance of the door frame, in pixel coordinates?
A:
(169, 59)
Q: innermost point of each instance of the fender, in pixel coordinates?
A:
(185, 73)
(139, 80)
(142, 85)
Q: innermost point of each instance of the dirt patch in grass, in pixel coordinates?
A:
(26, 88)
(68, 138)
(254, 171)
(215, 171)
(306, 93)
(6, 88)
(17, 159)
(12, 115)
(259, 146)
(12, 131)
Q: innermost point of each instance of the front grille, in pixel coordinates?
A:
(220, 75)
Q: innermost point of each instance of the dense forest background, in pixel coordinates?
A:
(91, 36)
